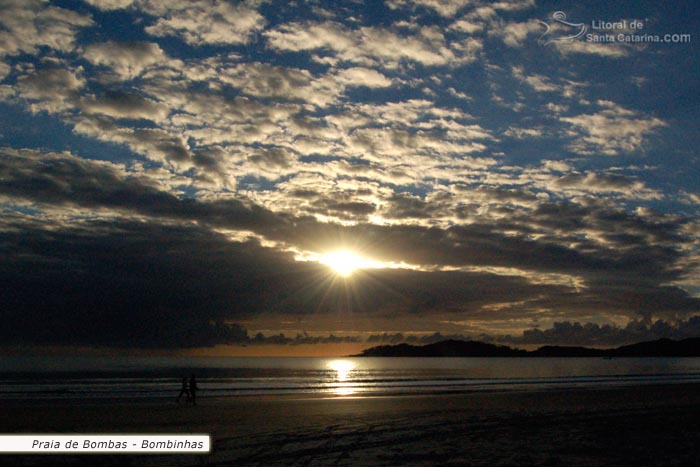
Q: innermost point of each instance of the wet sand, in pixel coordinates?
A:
(640, 425)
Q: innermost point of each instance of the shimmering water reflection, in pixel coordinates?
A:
(159, 377)
(343, 369)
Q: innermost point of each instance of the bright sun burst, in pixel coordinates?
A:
(345, 262)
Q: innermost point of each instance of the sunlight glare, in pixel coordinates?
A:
(342, 368)
(345, 262)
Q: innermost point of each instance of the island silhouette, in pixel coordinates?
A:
(457, 348)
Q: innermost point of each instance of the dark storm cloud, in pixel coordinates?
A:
(617, 279)
(139, 284)
(61, 179)
(507, 183)
(167, 269)
(123, 284)
(64, 179)
(628, 274)
(593, 216)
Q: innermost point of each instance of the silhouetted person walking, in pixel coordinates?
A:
(183, 391)
(193, 390)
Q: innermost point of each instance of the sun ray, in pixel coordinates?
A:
(345, 262)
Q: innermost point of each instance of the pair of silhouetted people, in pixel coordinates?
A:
(189, 390)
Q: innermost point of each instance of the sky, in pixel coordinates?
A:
(303, 177)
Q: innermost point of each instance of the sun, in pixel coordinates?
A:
(345, 262)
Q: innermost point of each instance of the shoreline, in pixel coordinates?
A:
(575, 426)
(418, 392)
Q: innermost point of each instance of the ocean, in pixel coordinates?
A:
(159, 378)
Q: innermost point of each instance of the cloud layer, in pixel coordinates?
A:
(192, 160)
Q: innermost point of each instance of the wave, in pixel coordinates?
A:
(217, 387)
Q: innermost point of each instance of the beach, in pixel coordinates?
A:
(628, 425)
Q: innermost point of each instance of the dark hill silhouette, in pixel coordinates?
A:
(566, 351)
(662, 348)
(455, 348)
(448, 348)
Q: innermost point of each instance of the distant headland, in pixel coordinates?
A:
(457, 348)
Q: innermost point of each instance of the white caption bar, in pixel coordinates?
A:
(107, 444)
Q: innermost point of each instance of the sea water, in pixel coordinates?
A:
(159, 378)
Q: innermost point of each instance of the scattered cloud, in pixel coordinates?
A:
(110, 4)
(611, 131)
(30, 24)
(608, 50)
(367, 46)
(52, 87)
(447, 8)
(205, 21)
(606, 183)
(214, 149)
(119, 105)
(126, 59)
(515, 34)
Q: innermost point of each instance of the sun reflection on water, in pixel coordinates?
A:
(343, 369)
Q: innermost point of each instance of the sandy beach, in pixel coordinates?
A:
(640, 425)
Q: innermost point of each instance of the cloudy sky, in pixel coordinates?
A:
(205, 173)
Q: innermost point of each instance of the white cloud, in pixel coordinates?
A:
(556, 166)
(611, 131)
(524, 133)
(611, 50)
(368, 46)
(298, 36)
(127, 59)
(446, 8)
(411, 113)
(538, 82)
(574, 184)
(4, 70)
(469, 27)
(297, 84)
(359, 76)
(557, 108)
(29, 24)
(52, 87)
(155, 144)
(515, 34)
(397, 146)
(205, 21)
(110, 4)
(484, 13)
(428, 47)
(261, 80)
(688, 198)
(513, 5)
(449, 8)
